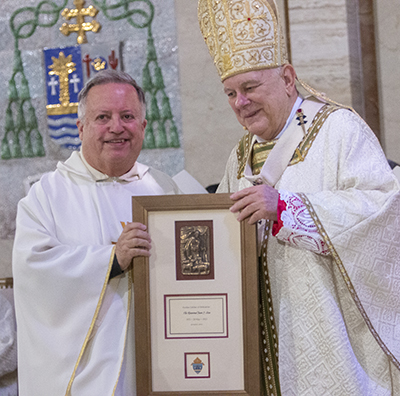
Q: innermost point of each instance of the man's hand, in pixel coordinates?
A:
(256, 203)
(134, 241)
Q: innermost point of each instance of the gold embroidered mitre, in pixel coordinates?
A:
(242, 35)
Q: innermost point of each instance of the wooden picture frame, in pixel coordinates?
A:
(149, 210)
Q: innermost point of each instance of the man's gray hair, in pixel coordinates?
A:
(108, 76)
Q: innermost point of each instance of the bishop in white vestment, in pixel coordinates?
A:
(313, 176)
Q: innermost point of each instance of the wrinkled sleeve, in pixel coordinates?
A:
(350, 184)
(359, 180)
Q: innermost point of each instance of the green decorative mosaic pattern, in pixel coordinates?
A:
(22, 138)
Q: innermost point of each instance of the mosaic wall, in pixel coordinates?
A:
(48, 49)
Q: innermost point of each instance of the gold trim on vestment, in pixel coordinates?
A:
(244, 149)
(242, 153)
(103, 291)
(347, 279)
(260, 153)
(312, 132)
(269, 335)
(130, 282)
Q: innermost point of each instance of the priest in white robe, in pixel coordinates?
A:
(73, 250)
(313, 176)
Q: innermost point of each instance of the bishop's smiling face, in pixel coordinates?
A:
(112, 130)
(262, 100)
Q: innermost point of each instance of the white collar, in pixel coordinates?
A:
(135, 173)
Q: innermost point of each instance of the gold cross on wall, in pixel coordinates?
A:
(63, 67)
(250, 18)
(81, 27)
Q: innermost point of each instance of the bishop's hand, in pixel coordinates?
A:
(256, 203)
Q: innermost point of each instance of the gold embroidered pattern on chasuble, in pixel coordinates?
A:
(246, 150)
(337, 260)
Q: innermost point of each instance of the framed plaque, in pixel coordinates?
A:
(196, 299)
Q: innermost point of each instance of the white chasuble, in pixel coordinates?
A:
(337, 315)
(75, 327)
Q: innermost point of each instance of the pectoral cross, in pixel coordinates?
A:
(301, 117)
(63, 67)
(81, 27)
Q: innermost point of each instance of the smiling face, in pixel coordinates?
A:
(262, 100)
(112, 130)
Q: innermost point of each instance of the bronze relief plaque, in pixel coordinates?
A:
(194, 250)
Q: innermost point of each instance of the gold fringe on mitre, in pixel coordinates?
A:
(242, 35)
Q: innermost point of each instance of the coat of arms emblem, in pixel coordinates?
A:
(197, 365)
